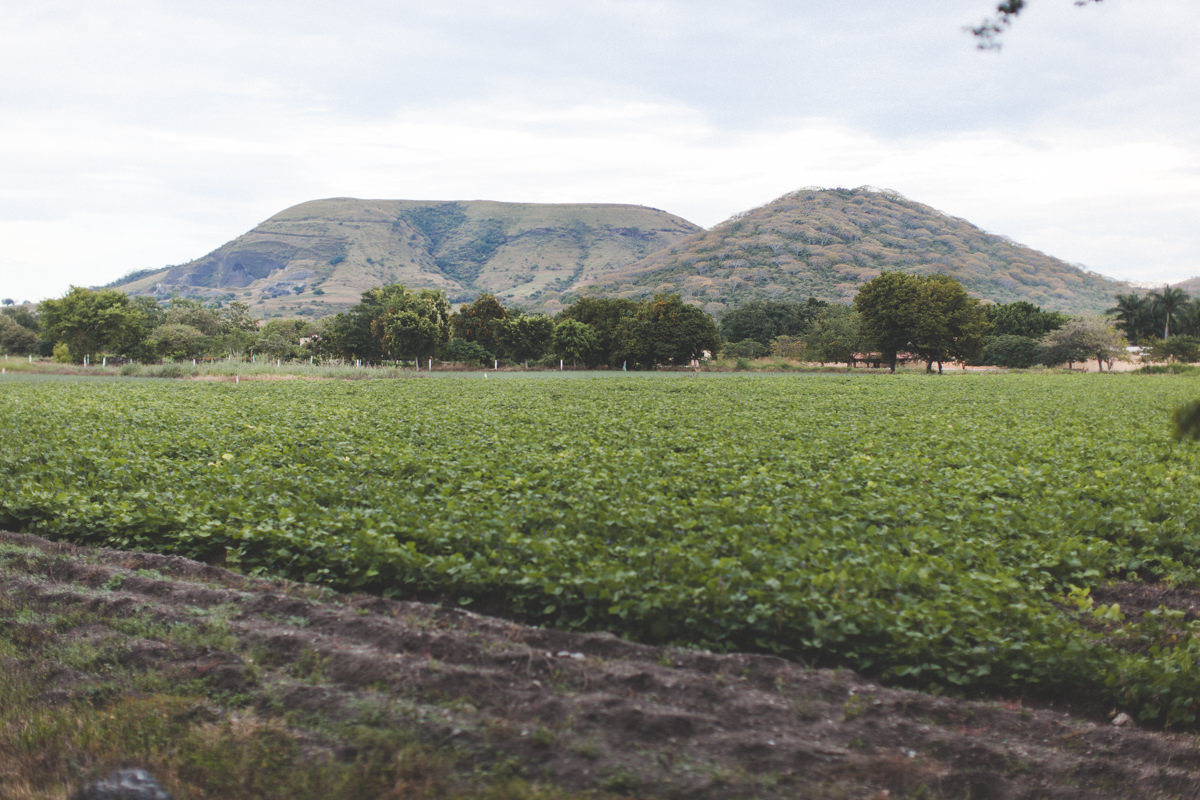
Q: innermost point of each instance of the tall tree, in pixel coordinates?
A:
(677, 332)
(949, 322)
(390, 321)
(526, 337)
(889, 306)
(16, 338)
(1135, 316)
(1023, 318)
(89, 322)
(1166, 305)
(929, 315)
(763, 320)
(412, 324)
(611, 319)
(1083, 338)
(480, 322)
(573, 340)
(836, 336)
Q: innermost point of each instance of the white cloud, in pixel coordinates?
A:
(145, 133)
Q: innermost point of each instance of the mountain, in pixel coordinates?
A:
(318, 257)
(825, 243)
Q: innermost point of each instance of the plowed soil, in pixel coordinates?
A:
(585, 713)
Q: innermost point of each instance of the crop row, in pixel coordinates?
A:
(939, 533)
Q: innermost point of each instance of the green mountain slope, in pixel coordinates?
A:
(824, 243)
(318, 257)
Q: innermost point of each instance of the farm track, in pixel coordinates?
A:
(581, 713)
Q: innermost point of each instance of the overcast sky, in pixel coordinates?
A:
(140, 133)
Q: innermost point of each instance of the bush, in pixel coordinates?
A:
(464, 351)
(1170, 369)
(1020, 352)
(1177, 348)
(747, 348)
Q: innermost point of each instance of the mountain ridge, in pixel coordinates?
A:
(317, 257)
(344, 246)
(825, 243)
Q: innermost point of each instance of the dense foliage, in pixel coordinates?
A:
(763, 321)
(390, 323)
(929, 316)
(1170, 312)
(952, 544)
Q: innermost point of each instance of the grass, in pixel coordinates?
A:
(108, 715)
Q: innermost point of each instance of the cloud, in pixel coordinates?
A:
(146, 133)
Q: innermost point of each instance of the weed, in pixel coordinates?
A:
(855, 706)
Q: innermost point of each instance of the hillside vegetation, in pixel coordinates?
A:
(825, 243)
(319, 257)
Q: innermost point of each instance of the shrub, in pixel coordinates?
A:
(464, 351)
(747, 348)
(1009, 350)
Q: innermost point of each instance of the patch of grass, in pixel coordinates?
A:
(310, 666)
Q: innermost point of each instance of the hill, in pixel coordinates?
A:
(825, 243)
(318, 257)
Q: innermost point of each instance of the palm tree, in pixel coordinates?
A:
(1187, 318)
(1167, 304)
(1134, 315)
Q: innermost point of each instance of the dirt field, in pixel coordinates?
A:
(503, 709)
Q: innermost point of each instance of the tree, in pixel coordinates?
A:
(187, 311)
(949, 322)
(573, 340)
(610, 318)
(1166, 305)
(281, 338)
(836, 336)
(526, 337)
(1020, 352)
(1023, 318)
(678, 333)
(175, 340)
(16, 338)
(1083, 338)
(763, 320)
(480, 322)
(1180, 347)
(1135, 316)
(89, 322)
(1187, 318)
(23, 316)
(988, 32)
(463, 351)
(413, 325)
(390, 322)
(888, 306)
(930, 315)
(238, 330)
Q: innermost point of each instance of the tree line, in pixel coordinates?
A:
(389, 324)
(928, 318)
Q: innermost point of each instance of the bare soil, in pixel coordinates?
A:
(585, 714)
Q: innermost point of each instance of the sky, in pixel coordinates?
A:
(137, 134)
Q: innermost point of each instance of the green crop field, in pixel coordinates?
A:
(935, 532)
